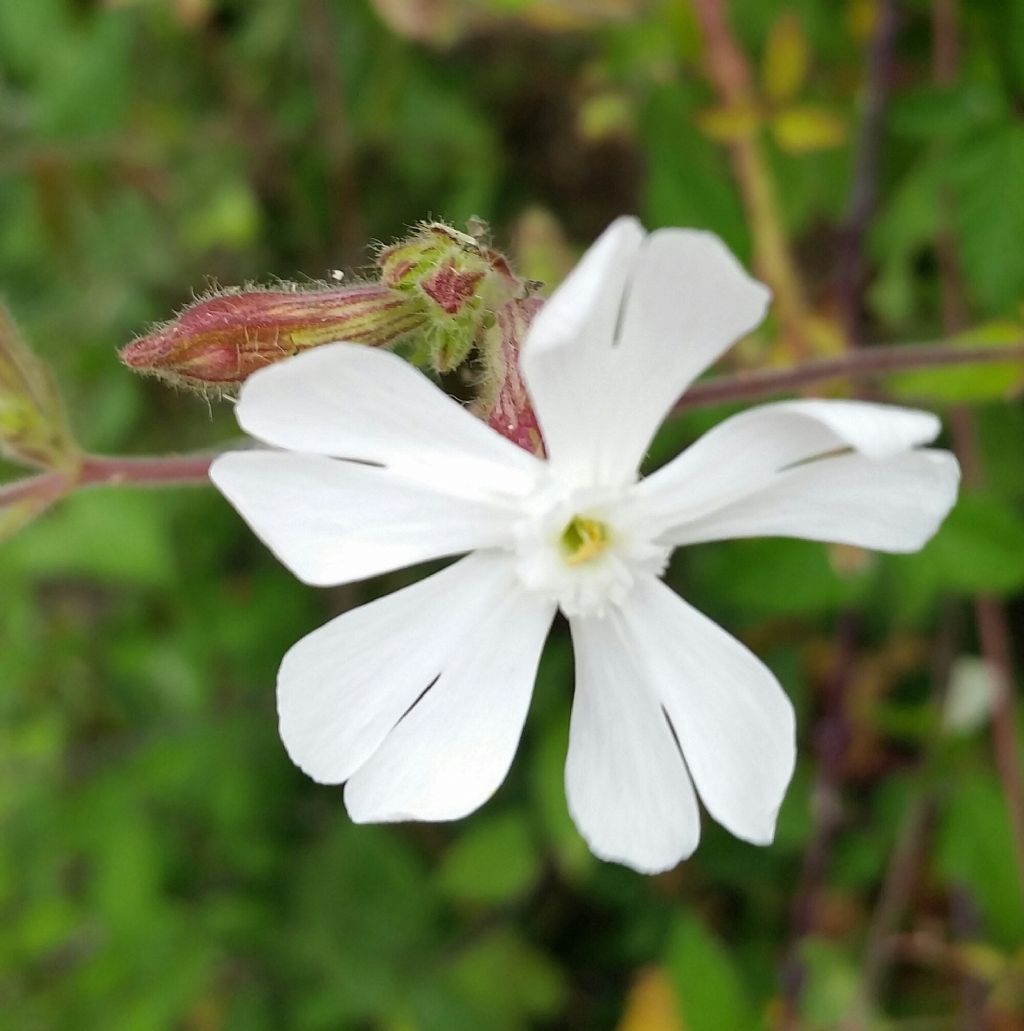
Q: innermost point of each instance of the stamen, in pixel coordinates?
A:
(583, 539)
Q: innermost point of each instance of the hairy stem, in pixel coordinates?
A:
(155, 471)
(109, 471)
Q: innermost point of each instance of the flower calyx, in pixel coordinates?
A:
(459, 284)
(34, 428)
(214, 345)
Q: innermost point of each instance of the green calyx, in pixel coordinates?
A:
(456, 282)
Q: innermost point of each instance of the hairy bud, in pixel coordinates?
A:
(220, 341)
(459, 284)
(34, 428)
(443, 295)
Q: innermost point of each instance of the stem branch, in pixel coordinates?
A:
(871, 361)
(150, 471)
(193, 470)
(44, 485)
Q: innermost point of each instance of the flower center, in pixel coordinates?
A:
(580, 549)
(583, 539)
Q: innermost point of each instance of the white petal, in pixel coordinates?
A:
(342, 689)
(333, 522)
(451, 752)
(888, 504)
(627, 787)
(361, 403)
(763, 446)
(582, 314)
(734, 723)
(688, 301)
(625, 335)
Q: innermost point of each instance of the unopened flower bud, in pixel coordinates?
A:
(220, 341)
(34, 428)
(458, 281)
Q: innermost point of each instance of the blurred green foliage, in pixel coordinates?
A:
(162, 865)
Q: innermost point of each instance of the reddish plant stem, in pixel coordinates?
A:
(181, 470)
(870, 361)
(45, 485)
(155, 471)
(109, 471)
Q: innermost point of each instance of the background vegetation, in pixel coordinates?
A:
(162, 864)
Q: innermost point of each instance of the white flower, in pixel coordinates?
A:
(417, 700)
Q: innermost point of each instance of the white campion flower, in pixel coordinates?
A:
(417, 700)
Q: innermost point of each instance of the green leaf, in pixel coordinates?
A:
(1006, 24)
(989, 214)
(711, 993)
(807, 128)
(508, 983)
(907, 225)
(107, 535)
(831, 982)
(688, 179)
(748, 574)
(785, 60)
(494, 862)
(930, 113)
(980, 547)
(976, 850)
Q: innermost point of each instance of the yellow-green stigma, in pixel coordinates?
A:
(583, 539)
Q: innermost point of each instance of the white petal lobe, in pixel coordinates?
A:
(627, 787)
(892, 504)
(361, 403)
(734, 723)
(343, 688)
(764, 449)
(333, 522)
(662, 308)
(451, 752)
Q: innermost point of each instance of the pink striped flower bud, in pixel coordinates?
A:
(218, 342)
